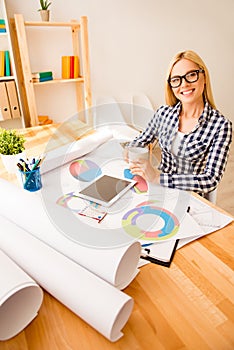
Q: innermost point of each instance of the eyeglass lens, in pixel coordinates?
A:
(190, 77)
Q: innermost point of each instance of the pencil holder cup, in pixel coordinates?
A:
(31, 180)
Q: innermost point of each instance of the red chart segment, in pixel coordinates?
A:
(84, 170)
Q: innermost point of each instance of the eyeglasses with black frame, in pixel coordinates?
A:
(190, 77)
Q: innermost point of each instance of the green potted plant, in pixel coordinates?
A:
(44, 10)
(11, 148)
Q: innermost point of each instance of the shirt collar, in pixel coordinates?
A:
(205, 114)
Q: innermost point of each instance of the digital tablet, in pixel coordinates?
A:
(105, 189)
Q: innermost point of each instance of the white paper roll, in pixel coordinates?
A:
(117, 266)
(97, 302)
(20, 297)
(65, 154)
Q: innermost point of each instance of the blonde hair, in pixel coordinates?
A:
(192, 56)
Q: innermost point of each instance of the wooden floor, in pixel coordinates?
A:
(225, 197)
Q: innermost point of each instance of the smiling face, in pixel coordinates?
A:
(188, 93)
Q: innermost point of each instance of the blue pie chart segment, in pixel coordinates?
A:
(84, 170)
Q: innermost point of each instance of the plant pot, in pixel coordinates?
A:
(10, 161)
(45, 15)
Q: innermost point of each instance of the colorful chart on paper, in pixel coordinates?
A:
(76, 205)
(168, 222)
(84, 170)
(71, 202)
(141, 186)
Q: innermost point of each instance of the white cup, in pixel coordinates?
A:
(136, 153)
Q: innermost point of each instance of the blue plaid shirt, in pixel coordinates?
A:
(202, 154)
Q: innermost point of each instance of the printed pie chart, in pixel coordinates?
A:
(84, 170)
(169, 222)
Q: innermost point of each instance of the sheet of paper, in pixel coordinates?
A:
(20, 297)
(208, 218)
(97, 302)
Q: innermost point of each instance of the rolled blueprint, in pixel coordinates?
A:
(66, 153)
(20, 296)
(117, 266)
(97, 302)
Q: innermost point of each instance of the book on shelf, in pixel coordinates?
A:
(44, 120)
(70, 67)
(76, 67)
(2, 64)
(65, 67)
(38, 80)
(42, 76)
(2, 26)
(5, 64)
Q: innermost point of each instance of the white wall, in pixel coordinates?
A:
(131, 44)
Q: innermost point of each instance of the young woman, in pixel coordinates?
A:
(193, 136)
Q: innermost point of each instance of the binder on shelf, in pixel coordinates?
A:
(5, 110)
(13, 99)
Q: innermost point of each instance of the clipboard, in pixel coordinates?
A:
(150, 254)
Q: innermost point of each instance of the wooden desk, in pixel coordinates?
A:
(187, 306)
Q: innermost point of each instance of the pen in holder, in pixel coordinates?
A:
(31, 179)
